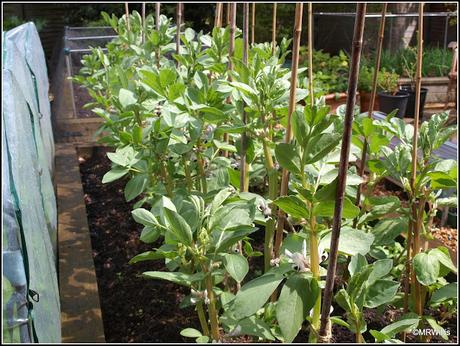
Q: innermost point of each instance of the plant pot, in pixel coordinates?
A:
(410, 110)
(389, 102)
(452, 217)
(365, 101)
(336, 99)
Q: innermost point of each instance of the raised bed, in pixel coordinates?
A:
(139, 310)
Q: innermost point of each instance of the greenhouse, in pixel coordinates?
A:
(229, 172)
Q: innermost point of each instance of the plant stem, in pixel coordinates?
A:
(202, 318)
(343, 167)
(314, 266)
(272, 194)
(165, 177)
(201, 170)
(212, 305)
(359, 337)
(188, 177)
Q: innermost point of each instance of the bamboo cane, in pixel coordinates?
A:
(218, 15)
(127, 16)
(253, 22)
(157, 15)
(288, 136)
(274, 28)
(157, 26)
(324, 332)
(143, 23)
(231, 10)
(178, 25)
(416, 224)
(310, 54)
(372, 102)
(244, 167)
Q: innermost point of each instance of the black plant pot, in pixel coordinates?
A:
(388, 102)
(452, 217)
(410, 110)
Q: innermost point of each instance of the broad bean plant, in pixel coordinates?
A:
(174, 120)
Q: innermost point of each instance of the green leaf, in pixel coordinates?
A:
(231, 217)
(254, 294)
(321, 145)
(135, 186)
(126, 98)
(443, 256)
(436, 327)
(441, 180)
(379, 336)
(190, 333)
(343, 299)
(248, 326)
(114, 174)
(202, 339)
(380, 292)
(244, 88)
(326, 208)
(120, 158)
(144, 217)
(297, 298)
(222, 240)
(146, 256)
(237, 266)
(357, 262)
(379, 207)
(385, 231)
(299, 127)
(351, 241)
(167, 77)
(406, 322)
(426, 268)
(149, 234)
(444, 293)
(288, 157)
(293, 206)
(176, 277)
(220, 198)
(178, 226)
(339, 321)
(380, 269)
(224, 146)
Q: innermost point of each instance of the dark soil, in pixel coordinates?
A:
(134, 309)
(82, 97)
(138, 310)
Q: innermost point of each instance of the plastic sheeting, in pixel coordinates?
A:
(28, 43)
(31, 306)
(16, 324)
(16, 63)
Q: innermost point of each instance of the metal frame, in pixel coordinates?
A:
(68, 53)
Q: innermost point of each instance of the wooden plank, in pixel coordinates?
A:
(80, 308)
